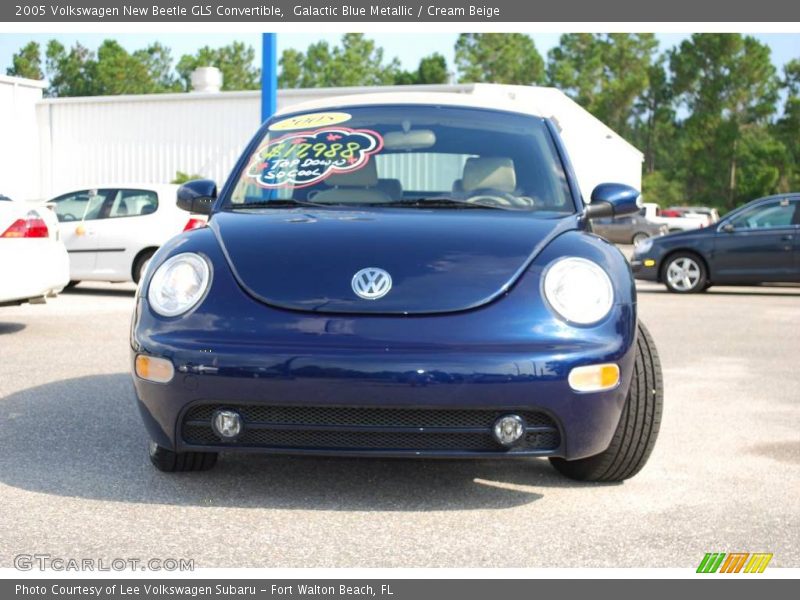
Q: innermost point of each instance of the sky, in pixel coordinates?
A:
(409, 48)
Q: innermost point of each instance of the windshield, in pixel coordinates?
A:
(407, 156)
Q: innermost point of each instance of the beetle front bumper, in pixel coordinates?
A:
(399, 402)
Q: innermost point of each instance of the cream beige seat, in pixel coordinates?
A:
(355, 187)
(489, 173)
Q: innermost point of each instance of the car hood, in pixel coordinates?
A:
(440, 260)
(689, 233)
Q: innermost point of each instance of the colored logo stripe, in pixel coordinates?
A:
(758, 563)
(734, 562)
(711, 562)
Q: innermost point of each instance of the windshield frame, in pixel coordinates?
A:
(224, 203)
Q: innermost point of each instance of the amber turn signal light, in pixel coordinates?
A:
(594, 378)
(151, 368)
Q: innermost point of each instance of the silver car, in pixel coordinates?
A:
(628, 229)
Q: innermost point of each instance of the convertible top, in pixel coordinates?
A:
(420, 98)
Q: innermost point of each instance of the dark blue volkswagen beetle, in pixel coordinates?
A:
(411, 276)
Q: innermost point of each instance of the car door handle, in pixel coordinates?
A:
(788, 237)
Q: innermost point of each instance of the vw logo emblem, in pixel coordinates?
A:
(371, 283)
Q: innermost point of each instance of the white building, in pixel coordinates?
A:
(67, 143)
(20, 167)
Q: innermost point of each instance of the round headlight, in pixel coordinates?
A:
(178, 284)
(578, 290)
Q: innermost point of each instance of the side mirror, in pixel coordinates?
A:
(197, 196)
(727, 228)
(612, 200)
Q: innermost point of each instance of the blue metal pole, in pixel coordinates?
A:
(269, 75)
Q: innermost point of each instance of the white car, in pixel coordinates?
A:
(112, 231)
(652, 212)
(33, 260)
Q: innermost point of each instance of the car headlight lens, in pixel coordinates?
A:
(178, 284)
(643, 246)
(579, 290)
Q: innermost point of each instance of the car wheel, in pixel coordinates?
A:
(177, 462)
(638, 426)
(685, 274)
(639, 237)
(140, 265)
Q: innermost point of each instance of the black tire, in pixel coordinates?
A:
(639, 237)
(71, 285)
(140, 263)
(180, 462)
(698, 277)
(638, 426)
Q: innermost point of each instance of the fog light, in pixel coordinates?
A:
(509, 429)
(594, 378)
(227, 424)
(649, 262)
(151, 368)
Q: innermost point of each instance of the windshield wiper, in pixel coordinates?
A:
(289, 202)
(438, 202)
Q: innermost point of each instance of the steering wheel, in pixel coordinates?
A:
(66, 217)
(492, 197)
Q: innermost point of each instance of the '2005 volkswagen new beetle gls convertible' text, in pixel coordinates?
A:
(398, 275)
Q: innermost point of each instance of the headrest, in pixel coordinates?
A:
(392, 187)
(489, 172)
(366, 176)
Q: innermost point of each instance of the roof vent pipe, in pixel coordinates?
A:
(206, 80)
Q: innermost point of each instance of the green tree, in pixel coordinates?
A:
(509, 58)
(660, 187)
(235, 61)
(432, 69)
(787, 128)
(316, 65)
(111, 70)
(27, 62)
(760, 160)
(654, 127)
(158, 62)
(729, 86)
(357, 61)
(291, 68)
(576, 67)
(70, 73)
(604, 73)
(791, 80)
(116, 71)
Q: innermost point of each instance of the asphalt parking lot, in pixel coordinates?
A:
(725, 474)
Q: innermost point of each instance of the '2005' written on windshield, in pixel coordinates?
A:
(305, 158)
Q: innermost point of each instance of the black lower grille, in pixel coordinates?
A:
(368, 428)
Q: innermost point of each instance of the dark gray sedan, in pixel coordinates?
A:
(629, 229)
